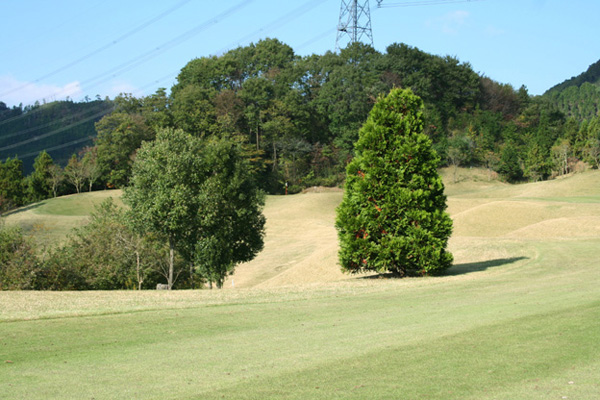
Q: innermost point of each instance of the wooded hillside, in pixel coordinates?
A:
(62, 128)
(298, 117)
(578, 97)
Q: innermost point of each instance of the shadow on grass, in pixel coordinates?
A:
(457, 269)
(23, 209)
(460, 269)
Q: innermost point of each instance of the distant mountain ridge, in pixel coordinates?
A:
(62, 128)
(579, 96)
(592, 75)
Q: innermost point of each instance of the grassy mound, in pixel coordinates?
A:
(50, 221)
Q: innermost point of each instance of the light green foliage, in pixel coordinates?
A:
(103, 254)
(194, 192)
(561, 151)
(91, 167)
(392, 217)
(537, 164)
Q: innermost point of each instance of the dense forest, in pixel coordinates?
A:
(298, 118)
(578, 97)
(61, 128)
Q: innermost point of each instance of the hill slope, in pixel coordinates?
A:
(62, 128)
(517, 317)
(578, 97)
(493, 223)
(51, 220)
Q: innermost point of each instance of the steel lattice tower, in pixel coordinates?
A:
(354, 24)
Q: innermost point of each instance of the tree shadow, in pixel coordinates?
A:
(466, 268)
(23, 209)
(456, 269)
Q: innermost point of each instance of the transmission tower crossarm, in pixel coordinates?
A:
(355, 23)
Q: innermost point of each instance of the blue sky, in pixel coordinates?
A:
(54, 49)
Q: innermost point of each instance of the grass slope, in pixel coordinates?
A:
(517, 316)
(50, 221)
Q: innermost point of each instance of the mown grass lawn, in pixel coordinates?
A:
(517, 317)
(520, 329)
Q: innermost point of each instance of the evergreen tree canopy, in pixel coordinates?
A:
(392, 217)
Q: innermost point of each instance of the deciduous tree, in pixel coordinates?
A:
(195, 192)
(75, 173)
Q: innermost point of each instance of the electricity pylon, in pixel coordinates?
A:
(355, 23)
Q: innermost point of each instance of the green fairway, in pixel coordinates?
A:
(516, 317)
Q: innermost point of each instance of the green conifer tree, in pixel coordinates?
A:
(392, 217)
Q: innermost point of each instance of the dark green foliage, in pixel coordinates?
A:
(61, 128)
(392, 218)
(579, 96)
(200, 196)
(12, 185)
(287, 109)
(592, 75)
(445, 85)
(119, 136)
(510, 165)
(39, 182)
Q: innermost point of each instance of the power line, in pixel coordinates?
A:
(35, 128)
(60, 146)
(19, 44)
(295, 13)
(135, 62)
(54, 132)
(311, 4)
(148, 55)
(142, 58)
(100, 49)
(414, 3)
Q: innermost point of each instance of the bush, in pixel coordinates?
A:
(18, 261)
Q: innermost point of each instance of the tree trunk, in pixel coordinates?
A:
(192, 275)
(275, 157)
(257, 136)
(171, 263)
(455, 170)
(139, 273)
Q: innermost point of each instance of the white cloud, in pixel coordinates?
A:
(13, 91)
(450, 23)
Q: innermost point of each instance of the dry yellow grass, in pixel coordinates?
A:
(300, 245)
(492, 221)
